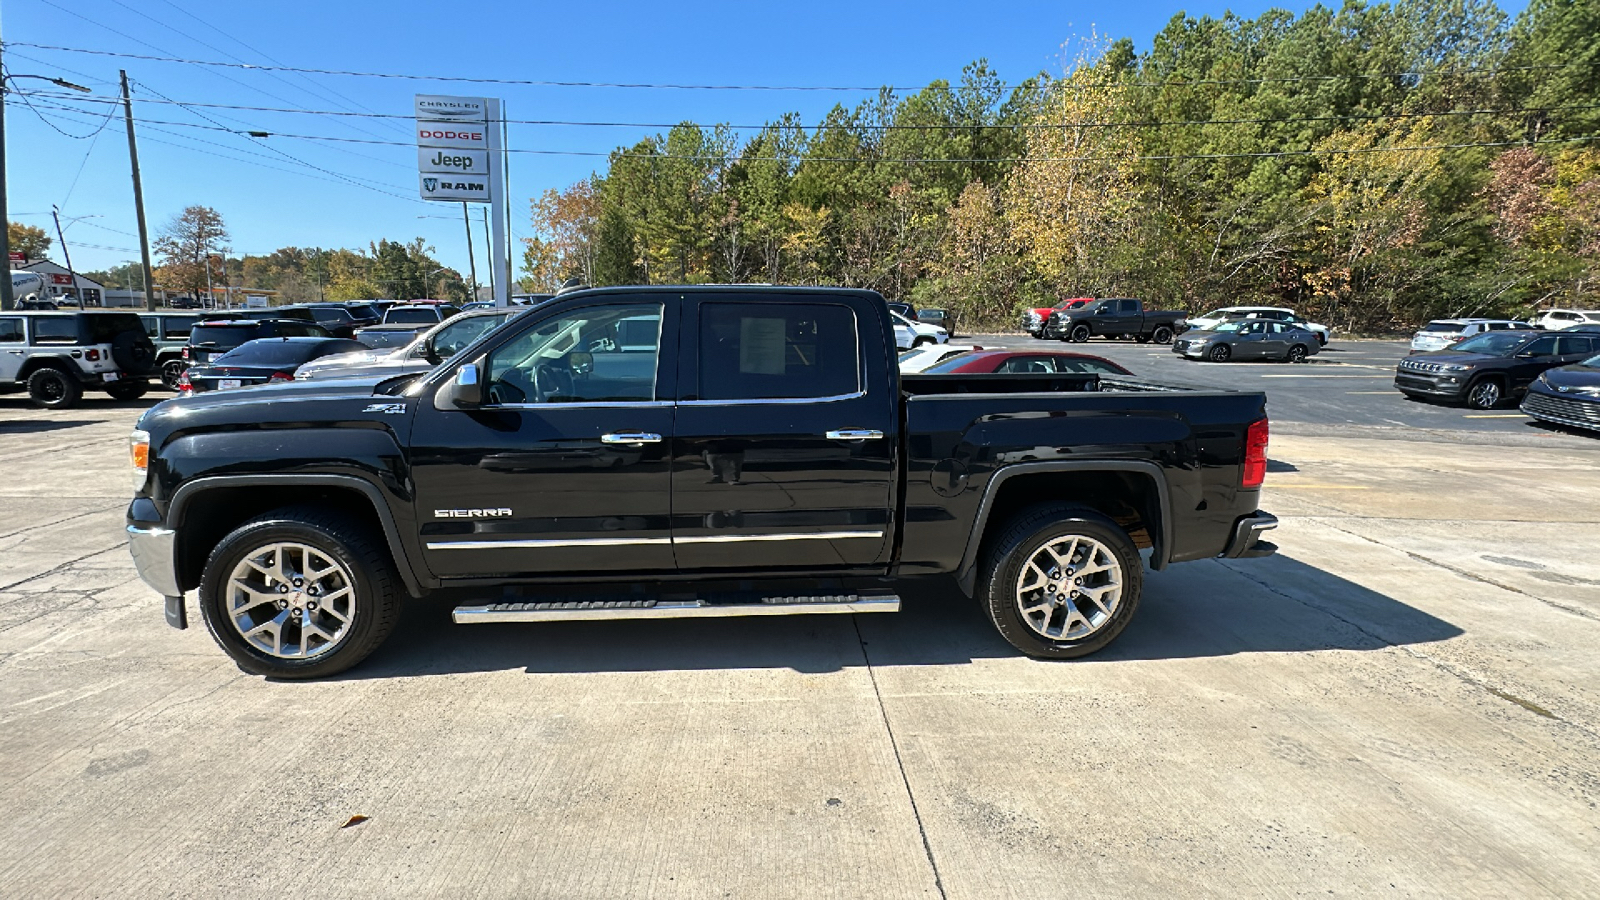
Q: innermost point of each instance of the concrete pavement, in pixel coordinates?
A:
(1405, 701)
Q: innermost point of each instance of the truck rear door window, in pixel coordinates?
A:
(777, 351)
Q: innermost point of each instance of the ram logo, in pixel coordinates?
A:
(500, 513)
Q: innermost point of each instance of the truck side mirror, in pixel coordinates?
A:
(464, 391)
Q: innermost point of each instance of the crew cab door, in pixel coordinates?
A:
(564, 466)
(785, 447)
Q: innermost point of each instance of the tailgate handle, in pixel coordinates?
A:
(630, 437)
(854, 434)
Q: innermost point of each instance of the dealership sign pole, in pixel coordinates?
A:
(460, 160)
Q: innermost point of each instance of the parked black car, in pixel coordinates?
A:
(1569, 395)
(262, 361)
(1489, 369)
(214, 337)
(340, 320)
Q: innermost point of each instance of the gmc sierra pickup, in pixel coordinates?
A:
(652, 452)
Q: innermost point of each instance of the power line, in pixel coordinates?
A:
(998, 126)
(6, 76)
(798, 158)
(1461, 72)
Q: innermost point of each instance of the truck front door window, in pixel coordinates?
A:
(604, 354)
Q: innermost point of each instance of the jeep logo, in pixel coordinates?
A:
(500, 513)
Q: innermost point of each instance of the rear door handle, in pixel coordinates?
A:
(630, 437)
(854, 434)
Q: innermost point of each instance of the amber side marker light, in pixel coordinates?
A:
(139, 456)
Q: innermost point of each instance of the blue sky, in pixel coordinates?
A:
(270, 200)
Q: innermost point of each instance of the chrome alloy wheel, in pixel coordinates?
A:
(291, 601)
(1485, 394)
(1070, 587)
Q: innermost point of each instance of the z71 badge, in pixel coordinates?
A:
(471, 513)
(390, 409)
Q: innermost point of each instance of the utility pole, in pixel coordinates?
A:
(7, 301)
(138, 197)
(55, 213)
(472, 264)
(492, 283)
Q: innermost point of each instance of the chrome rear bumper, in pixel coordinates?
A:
(1247, 532)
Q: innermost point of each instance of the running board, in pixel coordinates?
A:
(586, 610)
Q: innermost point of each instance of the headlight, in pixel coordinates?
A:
(139, 456)
(1448, 368)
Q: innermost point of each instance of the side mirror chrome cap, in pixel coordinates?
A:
(467, 376)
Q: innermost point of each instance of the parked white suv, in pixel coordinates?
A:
(1557, 319)
(56, 356)
(1276, 313)
(1441, 333)
(908, 334)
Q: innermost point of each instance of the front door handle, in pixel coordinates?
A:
(630, 437)
(854, 434)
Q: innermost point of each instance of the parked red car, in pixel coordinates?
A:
(1033, 320)
(1025, 362)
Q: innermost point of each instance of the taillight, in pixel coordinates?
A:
(183, 382)
(186, 353)
(1255, 455)
(92, 355)
(280, 377)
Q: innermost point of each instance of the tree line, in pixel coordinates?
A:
(1371, 166)
(192, 254)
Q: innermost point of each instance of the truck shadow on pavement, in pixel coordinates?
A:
(1206, 609)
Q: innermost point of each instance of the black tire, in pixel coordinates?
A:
(376, 584)
(1024, 537)
(1487, 392)
(1219, 353)
(133, 353)
(52, 388)
(1162, 335)
(171, 371)
(1079, 334)
(1297, 354)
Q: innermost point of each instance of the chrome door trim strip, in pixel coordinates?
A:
(765, 400)
(801, 536)
(634, 542)
(536, 544)
(596, 404)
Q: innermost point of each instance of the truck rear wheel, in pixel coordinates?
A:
(301, 592)
(52, 388)
(1061, 581)
(1162, 335)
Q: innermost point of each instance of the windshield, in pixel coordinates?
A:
(1216, 314)
(1444, 326)
(1230, 325)
(1493, 343)
(269, 352)
(410, 316)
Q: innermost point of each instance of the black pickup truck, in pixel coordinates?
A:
(1116, 317)
(689, 451)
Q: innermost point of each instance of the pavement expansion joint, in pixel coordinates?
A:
(894, 745)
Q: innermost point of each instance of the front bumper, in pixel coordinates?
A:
(154, 551)
(1190, 349)
(1452, 386)
(1571, 410)
(1247, 532)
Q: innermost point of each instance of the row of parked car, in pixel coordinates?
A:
(55, 356)
(1555, 374)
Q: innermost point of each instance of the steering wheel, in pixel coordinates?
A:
(551, 379)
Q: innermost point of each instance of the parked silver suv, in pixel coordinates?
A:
(56, 356)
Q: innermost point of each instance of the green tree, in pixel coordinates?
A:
(29, 240)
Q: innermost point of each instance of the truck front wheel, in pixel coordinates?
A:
(1079, 334)
(1061, 581)
(301, 592)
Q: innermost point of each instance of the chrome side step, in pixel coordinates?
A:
(588, 610)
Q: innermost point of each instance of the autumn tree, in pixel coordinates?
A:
(29, 240)
(188, 246)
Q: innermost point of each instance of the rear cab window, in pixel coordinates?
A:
(220, 335)
(777, 351)
(410, 316)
